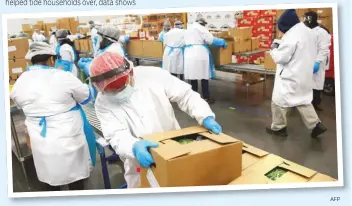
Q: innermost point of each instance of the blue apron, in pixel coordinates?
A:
(87, 128)
(172, 48)
(64, 64)
(211, 65)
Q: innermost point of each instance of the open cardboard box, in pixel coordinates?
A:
(215, 160)
(251, 155)
(258, 173)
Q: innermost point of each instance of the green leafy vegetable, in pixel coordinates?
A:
(276, 173)
(185, 141)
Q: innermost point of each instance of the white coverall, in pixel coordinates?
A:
(95, 44)
(295, 59)
(53, 42)
(62, 157)
(148, 111)
(173, 53)
(41, 38)
(196, 57)
(324, 42)
(35, 37)
(67, 53)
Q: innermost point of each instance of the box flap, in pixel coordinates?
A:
(308, 173)
(221, 138)
(265, 165)
(321, 178)
(250, 179)
(253, 150)
(170, 150)
(175, 133)
(248, 160)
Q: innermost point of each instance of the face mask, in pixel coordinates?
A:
(121, 96)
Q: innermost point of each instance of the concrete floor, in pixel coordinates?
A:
(246, 122)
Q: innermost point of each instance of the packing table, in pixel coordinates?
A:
(250, 68)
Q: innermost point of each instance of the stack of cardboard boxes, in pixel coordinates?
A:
(196, 163)
(17, 50)
(67, 23)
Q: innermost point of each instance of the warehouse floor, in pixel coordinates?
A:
(244, 119)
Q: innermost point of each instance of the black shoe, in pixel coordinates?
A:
(282, 132)
(318, 130)
(317, 108)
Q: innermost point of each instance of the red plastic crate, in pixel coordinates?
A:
(251, 13)
(264, 20)
(241, 59)
(269, 12)
(264, 35)
(265, 44)
(245, 22)
(256, 57)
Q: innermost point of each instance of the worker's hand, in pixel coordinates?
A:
(316, 67)
(140, 151)
(84, 64)
(212, 125)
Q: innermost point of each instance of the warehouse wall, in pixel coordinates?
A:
(14, 26)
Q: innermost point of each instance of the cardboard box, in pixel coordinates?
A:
(256, 58)
(221, 34)
(265, 44)
(135, 47)
(257, 173)
(241, 33)
(222, 56)
(255, 43)
(153, 49)
(84, 30)
(322, 178)
(38, 26)
(193, 164)
(245, 22)
(269, 12)
(251, 13)
(83, 45)
(17, 67)
(247, 45)
(323, 12)
(269, 62)
(251, 155)
(64, 23)
(18, 48)
(90, 45)
(240, 59)
(26, 27)
(264, 21)
(77, 45)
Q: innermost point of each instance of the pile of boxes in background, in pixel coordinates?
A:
(17, 50)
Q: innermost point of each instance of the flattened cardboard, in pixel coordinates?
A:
(196, 163)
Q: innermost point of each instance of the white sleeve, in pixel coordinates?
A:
(188, 101)
(116, 132)
(283, 53)
(323, 47)
(207, 36)
(79, 91)
(66, 54)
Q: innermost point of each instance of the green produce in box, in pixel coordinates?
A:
(276, 173)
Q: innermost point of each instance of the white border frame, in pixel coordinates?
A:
(339, 183)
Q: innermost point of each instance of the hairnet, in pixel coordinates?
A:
(109, 32)
(287, 20)
(109, 71)
(61, 34)
(167, 24)
(311, 19)
(178, 24)
(201, 21)
(39, 48)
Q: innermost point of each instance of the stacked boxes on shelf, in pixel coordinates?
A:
(17, 50)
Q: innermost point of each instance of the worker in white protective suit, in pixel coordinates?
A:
(35, 35)
(94, 36)
(322, 60)
(174, 44)
(62, 141)
(136, 101)
(166, 28)
(67, 55)
(41, 37)
(294, 55)
(198, 64)
(53, 40)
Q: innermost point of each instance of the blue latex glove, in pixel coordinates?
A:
(84, 64)
(79, 36)
(93, 91)
(161, 37)
(212, 125)
(140, 151)
(218, 42)
(127, 38)
(316, 67)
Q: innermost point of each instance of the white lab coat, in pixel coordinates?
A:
(53, 42)
(62, 157)
(324, 42)
(147, 111)
(41, 38)
(174, 40)
(295, 59)
(95, 45)
(196, 58)
(35, 37)
(67, 53)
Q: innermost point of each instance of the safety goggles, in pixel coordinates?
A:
(108, 37)
(111, 73)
